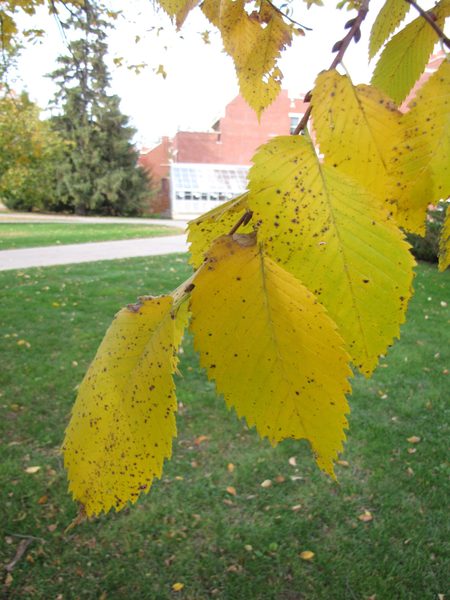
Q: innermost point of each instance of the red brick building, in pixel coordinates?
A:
(196, 171)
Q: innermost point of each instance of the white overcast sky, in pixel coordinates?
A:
(200, 78)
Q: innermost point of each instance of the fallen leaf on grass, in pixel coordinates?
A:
(230, 467)
(292, 461)
(366, 516)
(280, 479)
(234, 569)
(42, 500)
(343, 463)
(266, 483)
(8, 580)
(231, 490)
(414, 439)
(296, 507)
(52, 527)
(412, 450)
(177, 587)
(200, 439)
(307, 555)
(24, 343)
(32, 470)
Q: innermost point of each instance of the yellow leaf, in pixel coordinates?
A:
(332, 235)
(32, 470)
(230, 467)
(178, 9)
(200, 439)
(177, 587)
(272, 350)
(444, 243)
(267, 483)
(414, 439)
(420, 165)
(231, 490)
(211, 225)
(255, 42)
(356, 127)
(365, 517)
(123, 420)
(405, 57)
(307, 555)
(387, 21)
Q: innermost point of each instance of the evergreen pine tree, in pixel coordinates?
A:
(99, 173)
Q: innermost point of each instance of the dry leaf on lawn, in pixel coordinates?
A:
(32, 470)
(366, 516)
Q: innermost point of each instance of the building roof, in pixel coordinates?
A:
(195, 177)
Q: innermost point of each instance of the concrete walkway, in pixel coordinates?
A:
(66, 254)
(47, 256)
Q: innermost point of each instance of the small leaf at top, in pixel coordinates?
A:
(405, 56)
(388, 19)
(255, 42)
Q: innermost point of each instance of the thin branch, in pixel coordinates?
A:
(428, 16)
(245, 218)
(341, 47)
(285, 16)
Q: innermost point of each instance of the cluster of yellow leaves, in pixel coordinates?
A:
(301, 277)
(253, 39)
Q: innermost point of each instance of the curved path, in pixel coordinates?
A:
(47, 256)
(66, 254)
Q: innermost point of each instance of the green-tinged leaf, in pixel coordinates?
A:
(336, 238)
(211, 225)
(255, 42)
(444, 243)
(406, 55)
(356, 128)
(271, 348)
(420, 165)
(387, 21)
(123, 420)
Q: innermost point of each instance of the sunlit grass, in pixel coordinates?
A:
(29, 235)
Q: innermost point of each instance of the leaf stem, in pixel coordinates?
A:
(353, 32)
(245, 218)
(428, 16)
(285, 16)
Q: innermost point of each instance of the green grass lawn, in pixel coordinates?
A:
(29, 235)
(190, 529)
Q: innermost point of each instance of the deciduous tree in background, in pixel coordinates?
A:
(30, 153)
